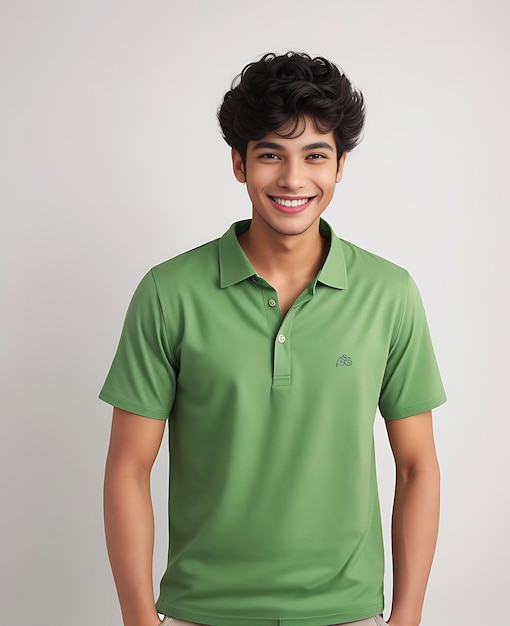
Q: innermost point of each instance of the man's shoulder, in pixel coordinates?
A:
(368, 266)
(197, 264)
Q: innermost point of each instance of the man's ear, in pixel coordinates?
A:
(340, 169)
(238, 166)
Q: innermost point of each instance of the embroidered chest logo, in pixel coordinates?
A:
(344, 360)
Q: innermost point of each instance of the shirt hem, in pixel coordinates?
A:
(240, 620)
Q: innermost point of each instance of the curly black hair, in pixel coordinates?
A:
(277, 92)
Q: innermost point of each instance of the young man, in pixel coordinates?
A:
(269, 351)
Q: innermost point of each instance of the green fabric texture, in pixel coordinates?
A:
(274, 511)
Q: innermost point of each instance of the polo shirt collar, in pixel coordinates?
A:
(235, 266)
(334, 271)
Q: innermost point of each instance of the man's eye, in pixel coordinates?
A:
(315, 156)
(269, 155)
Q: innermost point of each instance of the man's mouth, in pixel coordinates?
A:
(285, 202)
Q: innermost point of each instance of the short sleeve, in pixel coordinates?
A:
(142, 377)
(412, 383)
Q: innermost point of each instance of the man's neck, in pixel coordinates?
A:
(281, 259)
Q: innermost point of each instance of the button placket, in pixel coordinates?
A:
(282, 352)
(282, 345)
(271, 308)
(280, 331)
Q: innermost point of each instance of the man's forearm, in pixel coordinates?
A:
(414, 536)
(129, 526)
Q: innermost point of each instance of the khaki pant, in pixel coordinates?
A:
(377, 620)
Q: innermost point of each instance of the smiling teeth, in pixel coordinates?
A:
(291, 203)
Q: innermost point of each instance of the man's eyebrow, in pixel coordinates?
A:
(318, 145)
(271, 145)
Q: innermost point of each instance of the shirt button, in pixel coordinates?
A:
(272, 302)
(282, 338)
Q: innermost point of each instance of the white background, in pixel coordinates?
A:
(112, 161)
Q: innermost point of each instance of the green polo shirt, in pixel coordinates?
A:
(274, 512)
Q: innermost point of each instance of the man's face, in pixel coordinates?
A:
(290, 181)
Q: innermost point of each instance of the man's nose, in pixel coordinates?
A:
(292, 175)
